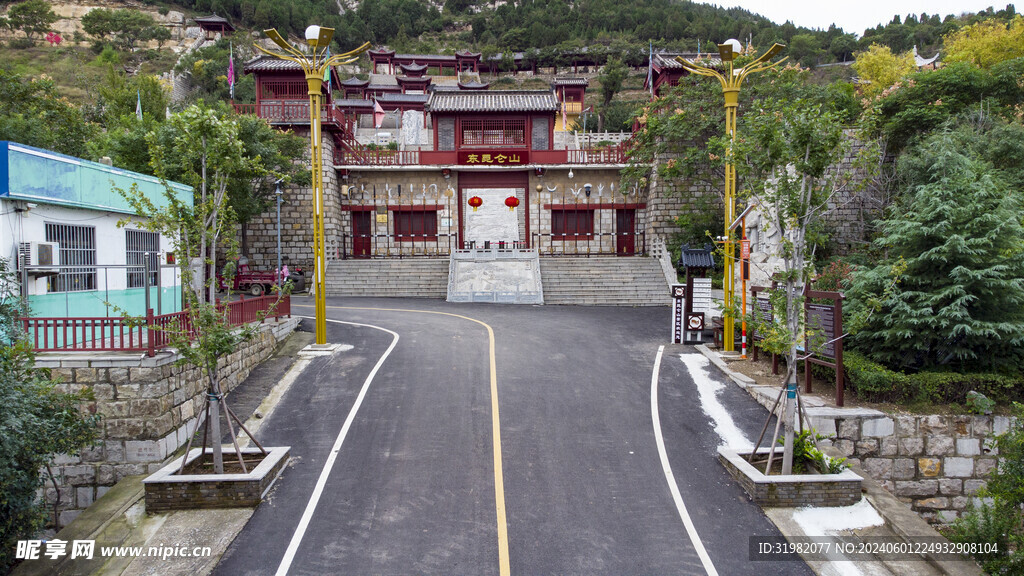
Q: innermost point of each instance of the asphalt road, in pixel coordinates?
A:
(581, 487)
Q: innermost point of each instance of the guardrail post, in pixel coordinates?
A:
(150, 334)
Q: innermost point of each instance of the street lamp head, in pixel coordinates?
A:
(274, 35)
(312, 35)
(318, 36)
(774, 50)
(730, 49)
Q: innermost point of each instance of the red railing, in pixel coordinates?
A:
(294, 111)
(135, 335)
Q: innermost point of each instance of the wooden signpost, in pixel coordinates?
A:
(823, 332)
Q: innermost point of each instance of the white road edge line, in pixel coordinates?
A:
(709, 567)
(314, 498)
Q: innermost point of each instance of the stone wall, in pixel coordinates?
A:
(148, 407)
(934, 463)
(668, 200)
(847, 219)
(297, 219)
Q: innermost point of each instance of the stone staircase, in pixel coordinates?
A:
(596, 281)
(407, 278)
(604, 281)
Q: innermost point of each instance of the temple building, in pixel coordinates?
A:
(424, 162)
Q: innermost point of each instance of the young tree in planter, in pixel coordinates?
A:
(788, 154)
(202, 149)
(36, 422)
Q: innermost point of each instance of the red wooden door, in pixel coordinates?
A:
(361, 231)
(625, 232)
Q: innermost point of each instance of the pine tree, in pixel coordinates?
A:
(950, 289)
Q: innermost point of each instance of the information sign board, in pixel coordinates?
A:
(700, 300)
(821, 331)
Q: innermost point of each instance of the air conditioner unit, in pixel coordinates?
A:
(42, 258)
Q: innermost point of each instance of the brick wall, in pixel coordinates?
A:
(148, 406)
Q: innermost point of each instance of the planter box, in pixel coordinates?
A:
(791, 490)
(166, 490)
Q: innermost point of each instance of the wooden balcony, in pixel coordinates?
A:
(296, 112)
(573, 107)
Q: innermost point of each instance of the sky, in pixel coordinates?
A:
(854, 16)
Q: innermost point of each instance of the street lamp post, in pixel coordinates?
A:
(314, 64)
(731, 82)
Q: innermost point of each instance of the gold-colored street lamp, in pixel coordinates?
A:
(315, 64)
(731, 81)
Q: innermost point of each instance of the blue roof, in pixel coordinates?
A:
(37, 175)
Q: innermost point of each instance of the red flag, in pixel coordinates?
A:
(378, 115)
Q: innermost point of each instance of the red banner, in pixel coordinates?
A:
(494, 157)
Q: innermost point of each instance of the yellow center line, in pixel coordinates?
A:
(504, 568)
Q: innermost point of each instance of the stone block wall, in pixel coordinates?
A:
(934, 463)
(850, 211)
(148, 408)
(670, 199)
(297, 220)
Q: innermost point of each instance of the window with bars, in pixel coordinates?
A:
(572, 224)
(494, 132)
(284, 90)
(77, 250)
(415, 226)
(139, 243)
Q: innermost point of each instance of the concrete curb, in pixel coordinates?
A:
(898, 517)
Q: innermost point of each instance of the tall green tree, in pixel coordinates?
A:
(788, 157)
(124, 27)
(949, 290)
(33, 113)
(37, 422)
(31, 17)
(611, 79)
(928, 99)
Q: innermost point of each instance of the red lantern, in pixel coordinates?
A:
(476, 202)
(511, 202)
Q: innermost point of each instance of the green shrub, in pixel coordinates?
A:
(108, 55)
(21, 43)
(873, 382)
(948, 387)
(807, 456)
(978, 403)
